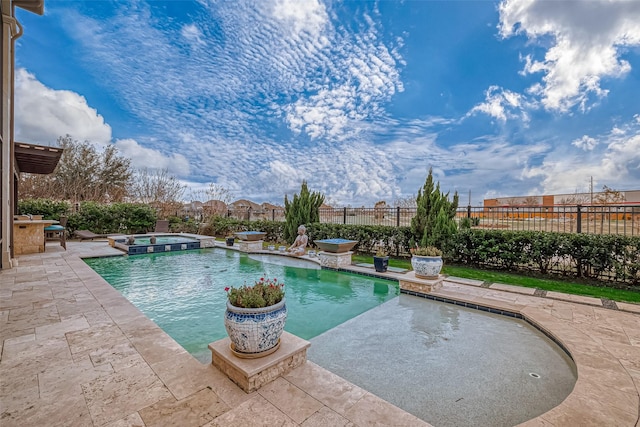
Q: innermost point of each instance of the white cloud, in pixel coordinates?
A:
(287, 55)
(44, 114)
(616, 165)
(502, 104)
(586, 143)
(192, 34)
(308, 16)
(587, 38)
(142, 157)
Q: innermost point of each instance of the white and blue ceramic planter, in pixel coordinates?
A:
(255, 330)
(426, 267)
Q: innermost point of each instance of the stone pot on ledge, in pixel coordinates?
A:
(255, 332)
(426, 267)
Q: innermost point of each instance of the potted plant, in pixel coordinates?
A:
(426, 262)
(255, 317)
(381, 260)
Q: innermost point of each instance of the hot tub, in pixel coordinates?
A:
(163, 243)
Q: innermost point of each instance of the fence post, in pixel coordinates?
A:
(344, 215)
(397, 216)
(578, 219)
(273, 214)
(468, 211)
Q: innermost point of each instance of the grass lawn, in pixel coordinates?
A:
(520, 280)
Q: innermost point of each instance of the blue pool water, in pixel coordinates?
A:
(183, 292)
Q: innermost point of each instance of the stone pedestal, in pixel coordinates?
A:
(410, 282)
(250, 246)
(251, 374)
(332, 260)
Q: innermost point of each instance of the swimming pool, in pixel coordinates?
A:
(183, 292)
(423, 356)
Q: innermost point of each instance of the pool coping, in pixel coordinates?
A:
(604, 344)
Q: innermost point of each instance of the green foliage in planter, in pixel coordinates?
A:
(304, 209)
(49, 209)
(431, 251)
(434, 223)
(263, 293)
(598, 257)
(125, 218)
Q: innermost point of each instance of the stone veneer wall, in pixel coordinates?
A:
(421, 285)
(28, 238)
(328, 259)
(254, 382)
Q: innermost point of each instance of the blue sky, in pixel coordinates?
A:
(359, 98)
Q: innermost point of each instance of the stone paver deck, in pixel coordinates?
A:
(74, 352)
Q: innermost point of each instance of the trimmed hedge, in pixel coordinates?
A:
(222, 227)
(394, 240)
(125, 218)
(49, 209)
(589, 256)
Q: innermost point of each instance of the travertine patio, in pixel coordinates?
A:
(76, 353)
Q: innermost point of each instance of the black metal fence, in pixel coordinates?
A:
(623, 219)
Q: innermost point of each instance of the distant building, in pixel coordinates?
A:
(244, 204)
(270, 206)
(214, 207)
(585, 199)
(565, 205)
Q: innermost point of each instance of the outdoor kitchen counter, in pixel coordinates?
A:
(28, 235)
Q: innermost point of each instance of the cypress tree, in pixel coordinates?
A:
(434, 222)
(302, 210)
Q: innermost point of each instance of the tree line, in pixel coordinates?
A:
(87, 173)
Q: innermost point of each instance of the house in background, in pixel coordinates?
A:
(15, 157)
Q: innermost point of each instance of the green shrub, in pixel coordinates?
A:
(49, 209)
(594, 257)
(393, 240)
(465, 223)
(434, 222)
(125, 218)
(180, 225)
(302, 210)
(221, 226)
